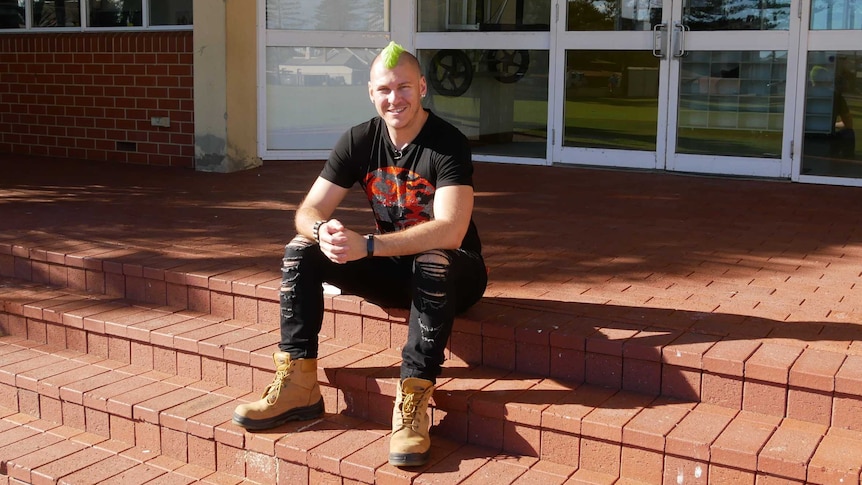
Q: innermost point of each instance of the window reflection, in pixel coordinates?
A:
(613, 15)
(611, 99)
(12, 14)
(732, 103)
(345, 15)
(484, 15)
(302, 80)
(57, 13)
(836, 15)
(116, 13)
(497, 97)
(708, 15)
(833, 100)
(171, 12)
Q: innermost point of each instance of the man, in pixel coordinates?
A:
(416, 170)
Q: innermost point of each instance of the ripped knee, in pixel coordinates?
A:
(300, 242)
(290, 271)
(432, 267)
(434, 263)
(293, 252)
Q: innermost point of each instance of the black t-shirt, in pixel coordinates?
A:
(401, 188)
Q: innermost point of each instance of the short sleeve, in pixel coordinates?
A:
(337, 167)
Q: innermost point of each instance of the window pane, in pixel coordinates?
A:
(836, 14)
(484, 15)
(299, 80)
(612, 15)
(611, 99)
(736, 14)
(732, 103)
(57, 13)
(833, 98)
(12, 15)
(497, 97)
(170, 12)
(116, 13)
(346, 15)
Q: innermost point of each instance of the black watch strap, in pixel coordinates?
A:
(369, 245)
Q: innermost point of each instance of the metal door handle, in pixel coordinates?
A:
(659, 40)
(679, 30)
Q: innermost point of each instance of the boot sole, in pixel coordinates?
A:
(295, 414)
(409, 459)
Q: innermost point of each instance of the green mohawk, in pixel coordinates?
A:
(390, 55)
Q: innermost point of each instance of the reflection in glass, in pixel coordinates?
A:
(498, 98)
(484, 15)
(732, 103)
(12, 15)
(346, 15)
(833, 99)
(57, 13)
(171, 12)
(611, 100)
(708, 15)
(613, 15)
(314, 94)
(116, 13)
(836, 14)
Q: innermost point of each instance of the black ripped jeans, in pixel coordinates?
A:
(435, 285)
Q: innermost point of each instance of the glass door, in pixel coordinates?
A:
(727, 101)
(692, 85)
(831, 71)
(610, 83)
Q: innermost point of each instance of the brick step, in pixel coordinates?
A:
(778, 377)
(336, 449)
(35, 451)
(584, 433)
(176, 421)
(677, 353)
(648, 350)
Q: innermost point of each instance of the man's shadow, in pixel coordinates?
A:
(599, 345)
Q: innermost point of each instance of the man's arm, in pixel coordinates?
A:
(319, 204)
(453, 209)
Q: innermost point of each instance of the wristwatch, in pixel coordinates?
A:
(369, 245)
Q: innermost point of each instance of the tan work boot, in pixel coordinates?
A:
(293, 395)
(410, 443)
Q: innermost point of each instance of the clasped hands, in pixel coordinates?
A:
(340, 244)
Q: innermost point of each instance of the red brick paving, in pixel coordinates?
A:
(744, 294)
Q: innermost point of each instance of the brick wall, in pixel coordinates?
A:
(92, 96)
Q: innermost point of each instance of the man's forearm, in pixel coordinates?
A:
(305, 219)
(434, 234)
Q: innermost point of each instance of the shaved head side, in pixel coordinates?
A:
(393, 54)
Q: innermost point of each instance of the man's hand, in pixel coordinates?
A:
(340, 244)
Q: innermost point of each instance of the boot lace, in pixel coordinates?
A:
(274, 389)
(408, 409)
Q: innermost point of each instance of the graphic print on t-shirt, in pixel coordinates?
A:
(399, 197)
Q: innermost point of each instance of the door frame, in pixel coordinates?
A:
(562, 41)
(664, 157)
(812, 41)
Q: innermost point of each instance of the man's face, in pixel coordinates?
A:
(397, 93)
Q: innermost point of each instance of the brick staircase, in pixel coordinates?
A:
(122, 366)
(658, 329)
